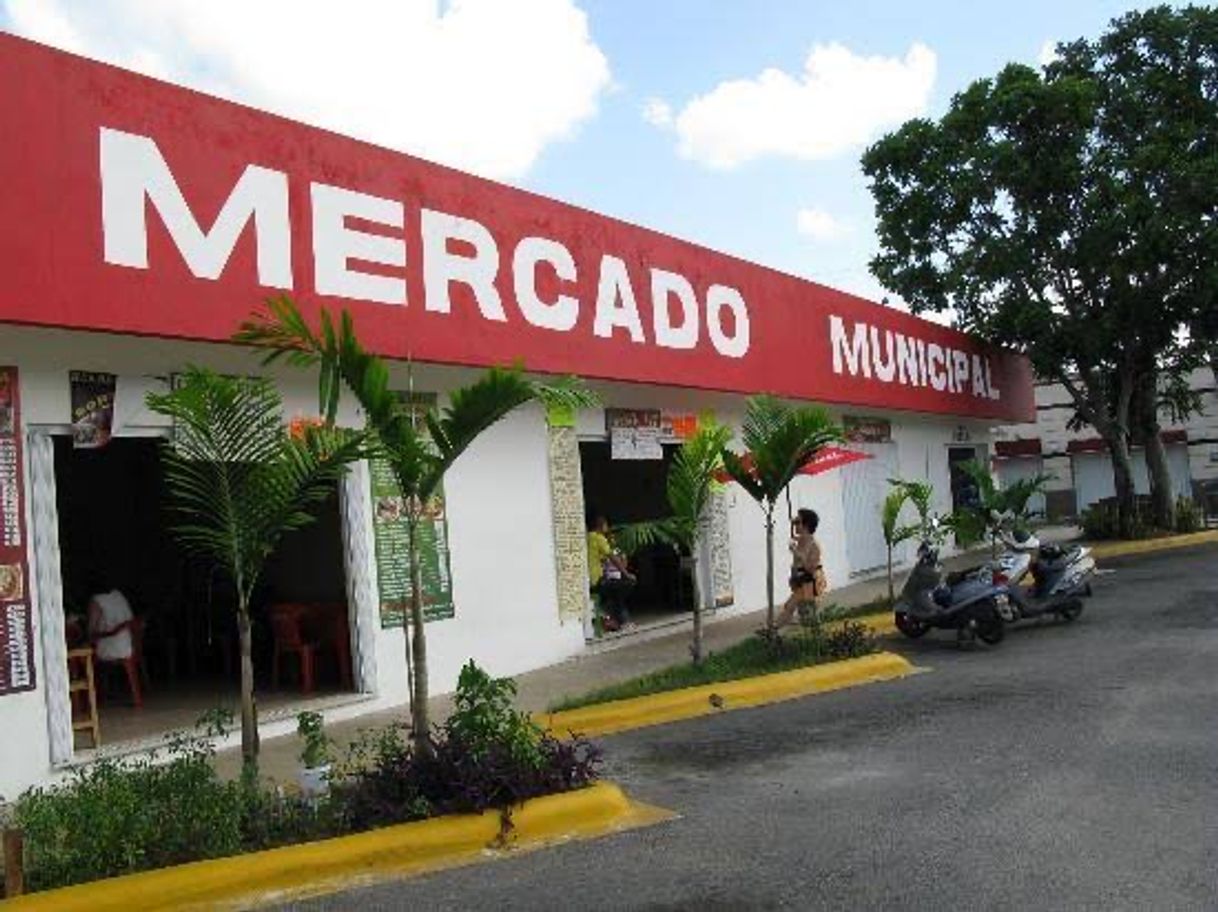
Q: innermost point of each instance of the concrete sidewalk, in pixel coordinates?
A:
(609, 661)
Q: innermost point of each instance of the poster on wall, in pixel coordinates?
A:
(391, 537)
(92, 409)
(634, 433)
(16, 629)
(860, 429)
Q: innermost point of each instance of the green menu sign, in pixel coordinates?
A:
(392, 540)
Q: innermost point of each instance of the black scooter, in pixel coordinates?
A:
(971, 602)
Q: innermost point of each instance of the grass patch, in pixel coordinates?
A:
(836, 612)
(746, 659)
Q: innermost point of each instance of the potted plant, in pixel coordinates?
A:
(314, 774)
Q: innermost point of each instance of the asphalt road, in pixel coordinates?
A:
(1073, 767)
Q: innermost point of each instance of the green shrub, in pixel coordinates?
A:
(119, 816)
(1188, 516)
(1101, 521)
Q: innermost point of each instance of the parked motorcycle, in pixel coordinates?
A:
(1061, 577)
(971, 602)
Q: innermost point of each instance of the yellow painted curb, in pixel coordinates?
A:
(333, 864)
(692, 702)
(1146, 546)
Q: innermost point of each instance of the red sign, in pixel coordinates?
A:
(134, 206)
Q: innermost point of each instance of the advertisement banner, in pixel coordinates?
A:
(634, 433)
(391, 536)
(16, 627)
(92, 409)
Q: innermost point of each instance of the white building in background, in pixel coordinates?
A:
(143, 222)
(1078, 461)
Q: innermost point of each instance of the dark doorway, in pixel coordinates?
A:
(114, 533)
(629, 491)
(964, 489)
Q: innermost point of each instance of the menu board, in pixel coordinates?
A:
(634, 433)
(16, 633)
(391, 534)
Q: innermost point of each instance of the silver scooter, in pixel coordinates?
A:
(1061, 577)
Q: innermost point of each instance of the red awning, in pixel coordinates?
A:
(826, 458)
(1008, 449)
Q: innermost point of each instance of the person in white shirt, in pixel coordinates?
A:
(109, 611)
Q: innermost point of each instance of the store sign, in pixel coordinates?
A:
(634, 433)
(16, 630)
(866, 430)
(678, 425)
(139, 207)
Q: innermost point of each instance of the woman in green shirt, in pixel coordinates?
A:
(609, 575)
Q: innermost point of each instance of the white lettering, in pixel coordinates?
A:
(335, 245)
(615, 303)
(717, 298)
(960, 360)
(441, 267)
(907, 360)
(922, 372)
(978, 378)
(934, 367)
(994, 393)
(854, 355)
(663, 286)
(133, 170)
(563, 313)
(885, 370)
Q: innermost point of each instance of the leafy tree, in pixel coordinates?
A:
(1068, 212)
(781, 439)
(419, 450)
(240, 481)
(691, 481)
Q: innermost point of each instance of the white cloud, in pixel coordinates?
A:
(819, 225)
(1048, 53)
(657, 112)
(840, 101)
(479, 84)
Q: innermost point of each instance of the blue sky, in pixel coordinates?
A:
(550, 94)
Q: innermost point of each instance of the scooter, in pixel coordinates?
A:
(1061, 577)
(971, 602)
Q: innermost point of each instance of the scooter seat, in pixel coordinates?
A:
(1057, 552)
(942, 596)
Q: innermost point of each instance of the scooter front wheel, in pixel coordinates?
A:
(911, 627)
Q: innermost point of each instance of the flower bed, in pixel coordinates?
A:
(122, 816)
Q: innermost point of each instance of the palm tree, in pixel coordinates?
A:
(419, 451)
(781, 439)
(997, 509)
(918, 493)
(240, 481)
(691, 481)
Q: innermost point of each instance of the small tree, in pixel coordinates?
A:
(998, 509)
(781, 439)
(240, 481)
(894, 534)
(419, 451)
(691, 481)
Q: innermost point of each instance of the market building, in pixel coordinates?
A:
(1078, 465)
(141, 223)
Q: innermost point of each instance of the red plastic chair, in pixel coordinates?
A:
(133, 664)
(288, 630)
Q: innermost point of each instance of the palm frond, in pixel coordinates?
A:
(782, 439)
(670, 531)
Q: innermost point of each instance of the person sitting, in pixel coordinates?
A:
(609, 575)
(110, 620)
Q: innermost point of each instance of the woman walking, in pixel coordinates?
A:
(808, 581)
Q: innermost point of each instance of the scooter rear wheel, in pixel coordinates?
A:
(990, 627)
(1069, 613)
(911, 627)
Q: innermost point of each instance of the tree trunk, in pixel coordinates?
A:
(1161, 493)
(769, 570)
(420, 716)
(892, 596)
(695, 648)
(249, 710)
(1122, 477)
